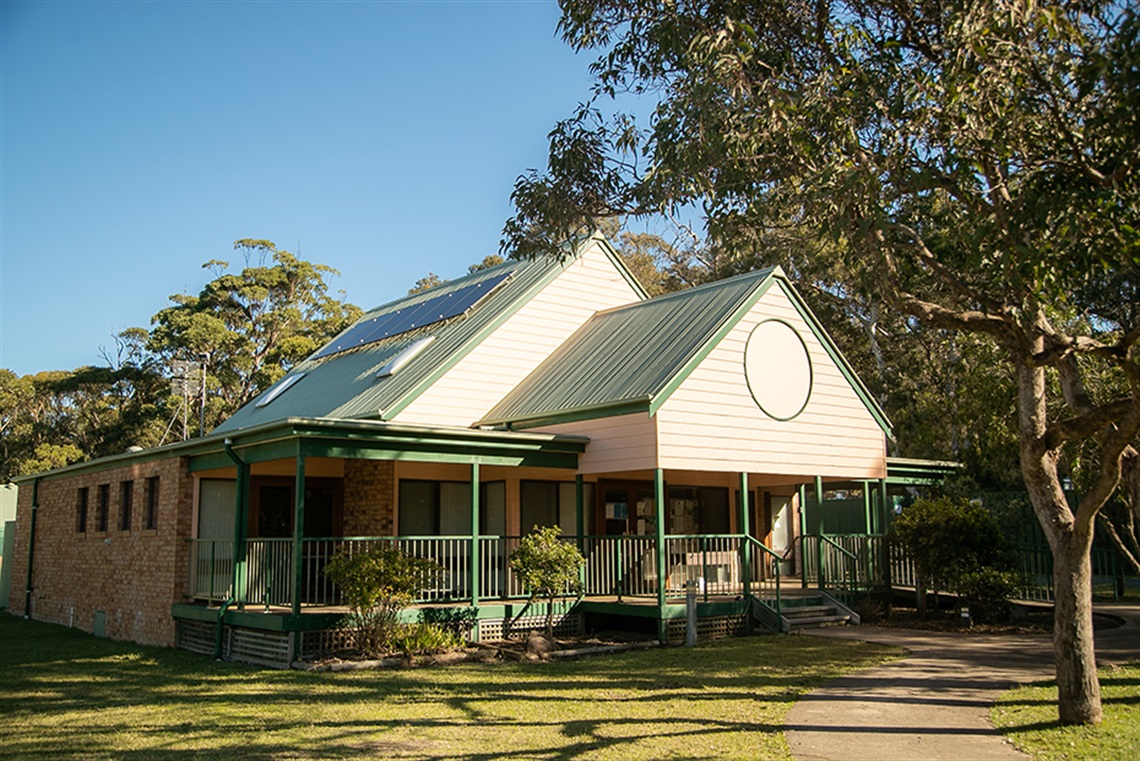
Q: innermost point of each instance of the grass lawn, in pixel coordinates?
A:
(68, 694)
(1028, 716)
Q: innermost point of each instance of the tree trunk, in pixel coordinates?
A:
(1078, 690)
(1070, 539)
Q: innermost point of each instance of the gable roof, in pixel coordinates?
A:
(345, 384)
(630, 359)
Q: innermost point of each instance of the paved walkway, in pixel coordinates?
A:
(934, 704)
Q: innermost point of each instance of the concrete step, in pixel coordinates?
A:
(808, 611)
(818, 621)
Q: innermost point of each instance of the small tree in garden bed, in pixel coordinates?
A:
(548, 568)
(958, 546)
(377, 584)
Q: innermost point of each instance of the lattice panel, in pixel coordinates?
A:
(566, 626)
(316, 644)
(195, 636)
(711, 627)
(262, 648)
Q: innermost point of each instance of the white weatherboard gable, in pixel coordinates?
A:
(468, 391)
(712, 421)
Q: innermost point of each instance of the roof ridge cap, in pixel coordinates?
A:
(759, 275)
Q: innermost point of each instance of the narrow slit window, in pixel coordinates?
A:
(81, 511)
(151, 503)
(126, 504)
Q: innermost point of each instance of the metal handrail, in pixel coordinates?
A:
(779, 558)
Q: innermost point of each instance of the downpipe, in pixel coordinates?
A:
(219, 628)
(31, 549)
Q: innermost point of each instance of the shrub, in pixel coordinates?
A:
(376, 584)
(956, 545)
(423, 639)
(547, 567)
(987, 591)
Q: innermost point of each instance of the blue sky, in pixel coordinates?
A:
(140, 139)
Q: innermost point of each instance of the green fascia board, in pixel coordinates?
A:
(191, 448)
(899, 466)
(380, 440)
(522, 300)
(837, 357)
(706, 609)
(713, 341)
(580, 413)
(616, 260)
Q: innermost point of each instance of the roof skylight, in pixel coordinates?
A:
(283, 386)
(404, 357)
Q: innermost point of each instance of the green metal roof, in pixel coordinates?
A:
(630, 359)
(623, 359)
(345, 385)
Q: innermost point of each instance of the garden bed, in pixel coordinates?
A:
(513, 650)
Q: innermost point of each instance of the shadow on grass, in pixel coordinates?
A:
(69, 694)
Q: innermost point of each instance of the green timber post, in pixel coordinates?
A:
(474, 578)
(884, 512)
(819, 540)
(884, 527)
(868, 520)
(580, 511)
(241, 513)
(746, 529)
(580, 525)
(803, 533)
(659, 500)
(298, 534)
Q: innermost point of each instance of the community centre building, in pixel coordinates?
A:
(712, 439)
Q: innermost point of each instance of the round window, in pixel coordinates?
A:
(778, 369)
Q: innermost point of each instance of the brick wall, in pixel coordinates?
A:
(132, 575)
(369, 498)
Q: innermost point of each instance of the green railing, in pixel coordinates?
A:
(765, 578)
(847, 565)
(617, 566)
(1037, 572)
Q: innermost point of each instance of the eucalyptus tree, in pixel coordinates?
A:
(974, 164)
(250, 327)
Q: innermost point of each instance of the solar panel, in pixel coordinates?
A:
(416, 315)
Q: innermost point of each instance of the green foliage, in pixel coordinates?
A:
(946, 538)
(376, 584)
(419, 638)
(252, 326)
(958, 545)
(547, 567)
(987, 592)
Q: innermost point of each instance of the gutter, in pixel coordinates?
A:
(31, 549)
